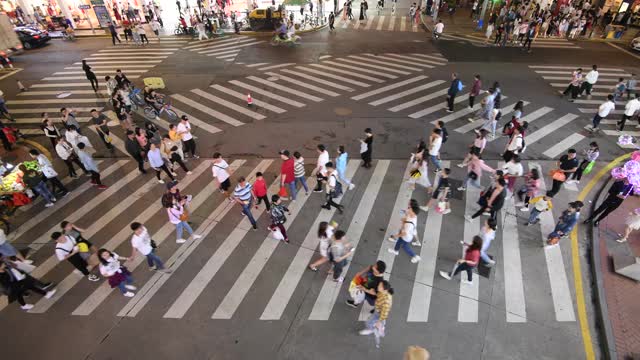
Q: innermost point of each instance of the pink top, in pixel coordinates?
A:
(174, 213)
(477, 165)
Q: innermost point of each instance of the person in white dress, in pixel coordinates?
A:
(419, 173)
(325, 233)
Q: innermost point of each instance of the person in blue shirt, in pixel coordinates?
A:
(565, 224)
(453, 91)
(341, 167)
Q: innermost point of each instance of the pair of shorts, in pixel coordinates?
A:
(436, 194)
(225, 185)
(8, 250)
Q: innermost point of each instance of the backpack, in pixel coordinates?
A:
(277, 214)
(167, 200)
(337, 190)
(460, 85)
(524, 146)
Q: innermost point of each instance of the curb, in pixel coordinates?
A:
(608, 343)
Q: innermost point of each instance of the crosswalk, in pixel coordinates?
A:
(237, 263)
(538, 43)
(559, 78)
(225, 48)
(380, 22)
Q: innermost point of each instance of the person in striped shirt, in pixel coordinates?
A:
(243, 195)
(382, 307)
(298, 171)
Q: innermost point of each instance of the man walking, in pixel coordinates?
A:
(530, 34)
(89, 164)
(332, 20)
(320, 170)
(141, 243)
(435, 143)
(630, 109)
(455, 87)
(100, 123)
(49, 173)
(114, 34)
(67, 154)
(135, 150)
(333, 189)
(184, 131)
(475, 90)
(244, 196)
(287, 178)
(603, 110)
(591, 79)
(67, 249)
(567, 164)
(618, 192)
(220, 170)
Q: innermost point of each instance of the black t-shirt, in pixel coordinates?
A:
(568, 164)
(99, 121)
(442, 184)
(620, 188)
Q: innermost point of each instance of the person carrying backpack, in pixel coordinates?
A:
(277, 216)
(333, 189)
(456, 86)
(339, 251)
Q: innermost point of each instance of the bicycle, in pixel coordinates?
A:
(136, 98)
(181, 31)
(151, 112)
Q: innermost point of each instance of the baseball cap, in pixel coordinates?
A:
(171, 184)
(284, 152)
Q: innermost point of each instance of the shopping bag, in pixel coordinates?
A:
(557, 175)
(357, 294)
(276, 233)
(588, 168)
(283, 192)
(24, 267)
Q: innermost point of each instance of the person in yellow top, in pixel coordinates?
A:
(173, 134)
(382, 307)
(540, 204)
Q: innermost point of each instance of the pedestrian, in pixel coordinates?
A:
(499, 32)
(33, 179)
(333, 189)
(111, 84)
(244, 197)
(591, 79)
(135, 150)
(332, 20)
(632, 223)
(202, 33)
(341, 167)
(366, 148)
(157, 163)
(603, 111)
(287, 178)
(540, 204)
(100, 122)
(8, 251)
(155, 27)
(18, 283)
(567, 164)
(631, 84)
(49, 173)
(365, 282)
(68, 118)
(443, 131)
(512, 170)
(486, 107)
(492, 199)
(616, 195)
(67, 248)
(325, 233)
(565, 224)
(260, 191)
(468, 263)
(509, 127)
(320, 170)
(435, 143)
(441, 193)
(515, 146)
(141, 243)
(590, 156)
(339, 250)
(630, 109)
(419, 173)
(172, 153)
(488, 233)
(475, 167)
(277, 216)
(299, 172)
(454, 88)
(184, 131)
(619, 89)
(408, 229)
(362, 11)
(220, 170)
(114, 33)
(142, 33)
(475, 90)
(87, 251)
(117, 274)
(377, 321)
(477, 147)
(529, 190)
(178, 216)
(417, 352)
(488, 32)
(90, 165)
(50, 130)
(530, 35)
(438, 29)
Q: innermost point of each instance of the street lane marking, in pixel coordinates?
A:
(373, 59)
(403, 23)
(229, 45)
(392, 23)
(113, 68)
(389, 87)
(267, 93)
(402, 201)
(330, 290)
(121, 62)
(217, 100)
(419, 100)
(355, 68)
(303, 84)
(550, 128)
(195, 122)
(207, 43)
(600, 74)
(171, 50)
(568, 79)
(436, 107)
(531, 117)
(225, 52)
(380, 23)
(406, 92)
(120, 58)
(562, 302)
(437, 58)
(369, 22)
(423, 282)
(61, 85)
(243, 97)
(55, 101)
(460, 113)
(514, 300)
(590, 111)
(468, 298)
(227, 56)
(362, 64)
(76, 78)
(207, 110)
(207, 272)
(573, 67)
(258, 64)
(332, 76)
(413, 60)
(401, 61)
(99, 72)
(55, 110)
(282, 88)
(349, 73)
(56, 92)
(318, 80)
(563, 145)
(275, 66)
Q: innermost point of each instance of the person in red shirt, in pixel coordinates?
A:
(287, 177)
(470, 261)
(260, 191)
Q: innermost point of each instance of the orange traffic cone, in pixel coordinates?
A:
(249, 100)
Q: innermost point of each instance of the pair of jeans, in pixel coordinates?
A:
(337, 268)
(533, 215)
(371, 324)
(406, 245)
(128, 280)
(469, 181)
(292, 189)
(596, 121)
(464, 267)
(483, 251)
(153, 259)
(56, 184)
(43, 191)
(246, 209)
(303, 181)
(179, 229)
(435, 161)
(450, 99)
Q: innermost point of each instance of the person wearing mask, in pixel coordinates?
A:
(567, 165)
(408, 230)
(603, 111)
(341, 167)
(141, 243)
(468, 263)
(454, 88)
(382, 308)
(617, 193)
(475, 90)
(565, 224)
(591, 79)
(320, 170)
(590, 156)
(630, 109)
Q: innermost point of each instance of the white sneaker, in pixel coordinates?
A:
(50, 293)
(621, 240)
(130, 287)
(27, 261)
(339, 280)
(471, 119)
(519, 204)
(129, 294)
(166, 271)
(461, 165)
(446, 211)
(424, 208)
(174, 174)
(391, 251)
(26, 307)
(160, 181)
(196, 236)
(416, 243)
(181, 241)
(48, 205)
(524, 208)
(352, 186)
(189, 173)
(551, 246)
(392, 239)
(153, 268)
(415, 259)
(445, 275)
(467, 282)
(491, 262)
(468, 218)
(570, 181)
(92, 277)
(462, 188)
(365, 332)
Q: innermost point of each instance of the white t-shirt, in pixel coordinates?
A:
(439, 28)
(3, 237)
(515, 143)
(324, 242)
(631, 107)
(112, 267)
(606, 108)
(331, 182)
(142, 242)
(435, 146)
(513, 169)
(64, 249)
(185, 129)
(409, 228)
(323, 159)
(220, 171)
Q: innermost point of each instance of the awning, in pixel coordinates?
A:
(295, 2)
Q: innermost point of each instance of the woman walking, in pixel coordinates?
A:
(178, 216)
(325, 232)
(91, 76)
(116, 274)
(157, 163)
(377, 320)
(488, 233)
(529, 190)
(50, 130)
(407, 231)
(468, 263)
(477, 147)
(475, 166)
(366, 148)
(341, 167)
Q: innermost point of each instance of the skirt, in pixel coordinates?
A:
(119, 277)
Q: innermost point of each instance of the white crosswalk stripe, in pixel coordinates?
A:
(303, 84)
(356, 68)
(393, 22)
(266, 93)
(362, 64)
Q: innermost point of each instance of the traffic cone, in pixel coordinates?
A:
(249, 100)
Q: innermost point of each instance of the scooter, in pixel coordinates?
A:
(290, 41)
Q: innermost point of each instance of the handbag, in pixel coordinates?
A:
(356, 294)
(588, 168)
(472, 175)
(558, 175)
(153, 244)
(415, 174)
(184, 216)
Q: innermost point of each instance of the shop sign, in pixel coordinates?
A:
(103, 15)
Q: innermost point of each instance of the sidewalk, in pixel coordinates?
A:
(620, 310)
(462, 24)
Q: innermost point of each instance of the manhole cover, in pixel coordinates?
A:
(342, 111)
